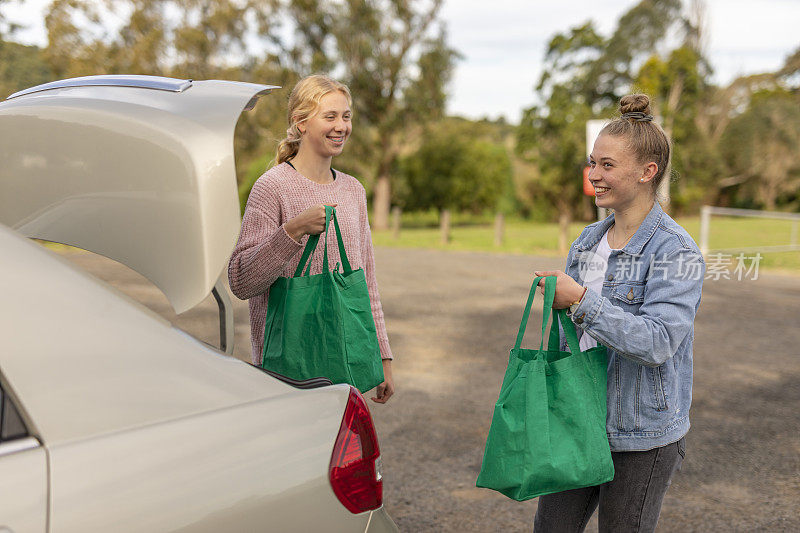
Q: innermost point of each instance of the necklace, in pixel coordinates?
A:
(614, 227)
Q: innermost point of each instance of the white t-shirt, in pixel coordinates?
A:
(594, 269)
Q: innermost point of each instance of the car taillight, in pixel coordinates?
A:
(355, 465)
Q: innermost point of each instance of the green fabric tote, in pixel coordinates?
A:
(548, 431)
(322, 325)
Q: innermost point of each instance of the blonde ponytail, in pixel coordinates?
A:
(288, 147)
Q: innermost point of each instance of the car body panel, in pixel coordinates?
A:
(238, 469)
(23, 491)
(204, 442)
(111, 80)
(142, 176)
(381, 522)
(64, 330)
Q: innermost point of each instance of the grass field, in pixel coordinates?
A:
(473, 233)
(476, 233)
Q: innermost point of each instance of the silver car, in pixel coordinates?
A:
(110, 418)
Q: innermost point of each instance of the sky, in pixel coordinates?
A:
(503, 42)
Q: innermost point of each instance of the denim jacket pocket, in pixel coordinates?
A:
(631, 294)
(625, 404)
(657, 388)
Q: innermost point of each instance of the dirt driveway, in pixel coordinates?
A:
(452, 318)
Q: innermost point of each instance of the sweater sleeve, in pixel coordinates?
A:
(264, 247)
(372, 283)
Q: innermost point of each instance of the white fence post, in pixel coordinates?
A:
(705, 223)
(705, 220)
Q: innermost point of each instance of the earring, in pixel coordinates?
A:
(641, 179)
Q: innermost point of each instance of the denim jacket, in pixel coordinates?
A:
(645, 316)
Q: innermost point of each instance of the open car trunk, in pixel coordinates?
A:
(139, 169)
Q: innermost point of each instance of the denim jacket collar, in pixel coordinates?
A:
(637, 242)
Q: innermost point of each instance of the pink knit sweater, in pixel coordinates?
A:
(265, 251)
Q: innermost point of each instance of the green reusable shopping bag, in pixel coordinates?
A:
(322, 325)
(548, 431)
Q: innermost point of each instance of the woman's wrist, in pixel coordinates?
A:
(583, 293)
(293, 231)
(574, 305)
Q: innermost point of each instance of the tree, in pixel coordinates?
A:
(791, 68)
(21, 67)
(555, 143)
(396, 64)
(702, 155)
(388, 51)
(584, 76)
(638, 34)
(596, 70)
(74, 48)
(7, 27)
(197, 39)
(680, 95)
(452, 170)
(200, 39)
(763, 145)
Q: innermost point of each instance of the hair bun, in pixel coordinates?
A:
(635, 103)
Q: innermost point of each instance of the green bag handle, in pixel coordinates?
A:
(549, 294)
(554, 342)
(547, 310)
(342, 252)
(312, 242)
(569, 332)
(306, 253)
(569, 328)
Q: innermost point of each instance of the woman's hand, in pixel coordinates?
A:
(309, 222)
(568, 290)
(385, 390)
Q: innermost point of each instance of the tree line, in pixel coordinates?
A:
(736, 145)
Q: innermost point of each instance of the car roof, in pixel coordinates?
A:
(139, 169)
(84, 360)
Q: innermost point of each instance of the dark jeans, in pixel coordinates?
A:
(629, 502)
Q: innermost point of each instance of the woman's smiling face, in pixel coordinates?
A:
(326, 131)
(616, 175)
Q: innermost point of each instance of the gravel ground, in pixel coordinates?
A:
(452, 318)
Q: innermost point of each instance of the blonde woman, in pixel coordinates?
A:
(287, 203)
